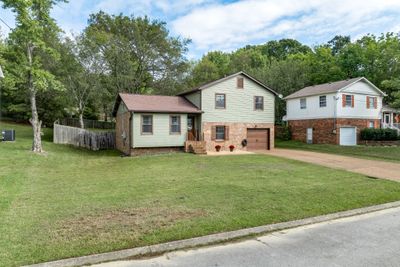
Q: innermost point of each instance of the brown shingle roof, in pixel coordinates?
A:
(156, 103)
(322, 88)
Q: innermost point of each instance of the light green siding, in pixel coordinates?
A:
(239, 103)
(122, 108)
(194, 98)
(161, 136)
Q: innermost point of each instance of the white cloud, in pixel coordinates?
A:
(228, 26)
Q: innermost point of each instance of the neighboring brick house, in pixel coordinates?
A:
(235, 110)
(334, 113)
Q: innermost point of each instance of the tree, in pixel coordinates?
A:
(27, 40)
(82, 77)
(137, 54)
(392, 88)
(338, 42)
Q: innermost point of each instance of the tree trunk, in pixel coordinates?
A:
(34, 120)
(81, 123)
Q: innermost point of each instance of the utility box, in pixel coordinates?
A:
(8, 135)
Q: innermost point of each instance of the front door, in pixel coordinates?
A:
(191, 128)
(387, 118)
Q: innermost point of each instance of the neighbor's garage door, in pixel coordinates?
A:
(257, 139)
(348, 136)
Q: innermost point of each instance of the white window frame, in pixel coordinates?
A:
(322, 101)
(348, 98)
(371, 124)
(176, 124)
(260, 104)
(372, 100)
(217, 133)
(147, 124)
(303, 103)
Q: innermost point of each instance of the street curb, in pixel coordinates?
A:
(208, 239)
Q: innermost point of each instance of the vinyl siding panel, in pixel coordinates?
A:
(161, 136)
(312, 111)
(360, 90)
(122, 108)
(239, 103)
(194, 98)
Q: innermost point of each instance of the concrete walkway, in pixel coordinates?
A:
(365, 240)
(373, 168)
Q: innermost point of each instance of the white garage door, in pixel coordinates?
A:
(348, 136)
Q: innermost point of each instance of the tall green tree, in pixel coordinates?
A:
(28, 42)
(138, 55)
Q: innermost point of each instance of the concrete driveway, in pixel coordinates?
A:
(366, 240)
(373, 168)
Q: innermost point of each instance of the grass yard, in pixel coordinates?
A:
(386, 153)
(72, 202)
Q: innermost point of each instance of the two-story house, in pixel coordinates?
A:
(334, 113)
(236, 110)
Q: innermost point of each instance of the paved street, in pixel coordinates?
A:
(373, 168)
(367, 240)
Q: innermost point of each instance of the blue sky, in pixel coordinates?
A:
(228, 25)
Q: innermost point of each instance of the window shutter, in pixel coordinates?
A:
(367, 102)
(375, 103)
(213, 132)
(376, 124)
(226, 132)
(352, 101)
(343, 100)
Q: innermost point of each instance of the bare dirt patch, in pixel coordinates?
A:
(134, 222)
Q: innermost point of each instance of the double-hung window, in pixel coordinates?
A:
(175, 124)
(220, 132)
(220, 101)
(372, 102)
(258, 103)
(349, 101)
(322, 101)
(303, 103)
(147, 124)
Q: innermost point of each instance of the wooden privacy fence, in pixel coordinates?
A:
(74, 122)
(83, 138)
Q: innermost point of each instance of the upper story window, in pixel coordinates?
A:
(303, 103)
(240, 82)
(348, 100)
(175, 124)
(372, 102)
(220, 101)
(322, 101)
(258, 103)
(147, 124)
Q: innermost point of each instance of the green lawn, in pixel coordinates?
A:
(387, 153)
(72, 202)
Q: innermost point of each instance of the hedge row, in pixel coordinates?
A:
(379, 134)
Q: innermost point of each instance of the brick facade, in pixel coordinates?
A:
(324, 130)
(123, 132)
(237, 133)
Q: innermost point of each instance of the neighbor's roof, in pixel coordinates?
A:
(155, 103)
(326, 88)
(204, 86)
